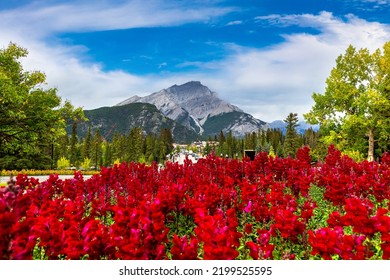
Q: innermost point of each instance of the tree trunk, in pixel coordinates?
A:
(370, 156)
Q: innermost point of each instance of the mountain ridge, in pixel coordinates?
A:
(122, 119)
(191, 110)
(194, 105)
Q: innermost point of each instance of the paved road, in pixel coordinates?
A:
(4, 179)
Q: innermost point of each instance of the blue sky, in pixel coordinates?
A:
(265, 56)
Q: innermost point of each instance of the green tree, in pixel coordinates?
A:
(230, 144)
(63, 163)
(115, 147)
(166, 143)
(310, 138)
(73, 143)
(62, 144)
(221, 138)
(150, 147)
(250, 141)
(107, 154)
(135, 144)
(86, 164)
(291, 142)
(32, 117)
(87, 144)
(354, 110)
(97, 153)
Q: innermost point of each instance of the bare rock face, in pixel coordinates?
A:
(198, 108)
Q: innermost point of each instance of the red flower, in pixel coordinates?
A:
(184, 249)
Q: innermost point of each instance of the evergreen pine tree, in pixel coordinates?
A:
(87, 145)
(73, 143)
(291, 143)
(96, 149)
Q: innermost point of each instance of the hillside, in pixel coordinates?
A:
(123, 118)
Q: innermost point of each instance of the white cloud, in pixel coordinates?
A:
(162, 65)
(367, 5)
(79, 16)
(378, 2)
(234, 22)
(268, 82)
(274, 81)
(281, 79)
(353, 30)
(86, 84)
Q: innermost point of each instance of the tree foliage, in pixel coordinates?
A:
(291, 143)
(354, 109)
(32, 116)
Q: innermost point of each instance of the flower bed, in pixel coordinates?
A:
(269, 208)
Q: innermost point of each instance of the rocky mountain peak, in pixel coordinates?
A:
(192, 104)
(189, 91)
(189, 86)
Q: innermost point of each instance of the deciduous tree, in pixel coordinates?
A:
(354, 109)
(32, 116)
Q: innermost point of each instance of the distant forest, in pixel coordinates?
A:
(93, 151)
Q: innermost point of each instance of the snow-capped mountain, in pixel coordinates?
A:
(198, 108)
